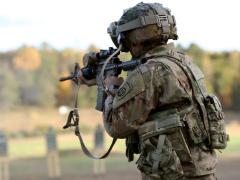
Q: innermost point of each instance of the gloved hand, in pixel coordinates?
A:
(90, 82)
(88, 59)
(112, 83)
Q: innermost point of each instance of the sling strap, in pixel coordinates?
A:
(73, 120)
(157, 154)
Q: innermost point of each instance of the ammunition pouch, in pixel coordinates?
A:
(195, 127)
(212, 125)
(160, 123)
(167, 123)
(163, 146)
(217, 130)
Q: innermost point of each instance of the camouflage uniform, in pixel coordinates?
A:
(160, 110)
(159, 84)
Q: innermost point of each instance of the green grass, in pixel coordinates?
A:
(36, 147)
(233, 144)
(73, 165)
(27, 147)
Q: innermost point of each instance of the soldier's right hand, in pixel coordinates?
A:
(89, 59)
(82, 80)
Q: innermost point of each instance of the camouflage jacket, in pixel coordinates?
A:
(157, 85)
(151, 85)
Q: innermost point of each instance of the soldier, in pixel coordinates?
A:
(162, 108)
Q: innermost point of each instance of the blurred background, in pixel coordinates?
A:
(41, 40)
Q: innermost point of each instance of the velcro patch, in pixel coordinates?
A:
(131, 87)
(124, 90)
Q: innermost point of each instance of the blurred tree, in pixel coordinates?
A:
(66, 61)
(236, 95)
(180, 48)
(64, 91)
(235, 66)
(46, 77)
(87, 96)
(125, 56)
(26, 87)
(35, 74)
(208, 71)
(93, 48)
(27, 58)
(45, 89)
(196, 53)
(9, 94)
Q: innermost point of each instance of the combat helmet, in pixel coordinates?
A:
(147, 23)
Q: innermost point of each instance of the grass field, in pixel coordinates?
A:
(75, 165)
(31, 119)
(36, 147)
(28, 154)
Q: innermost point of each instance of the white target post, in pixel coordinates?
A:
(52, 154)
(99, 166)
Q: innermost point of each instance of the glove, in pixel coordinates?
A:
(112, 83)
(90, 82)
(88, 59)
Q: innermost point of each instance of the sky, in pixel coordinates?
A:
(212, 24)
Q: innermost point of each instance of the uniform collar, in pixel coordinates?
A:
(159, 50)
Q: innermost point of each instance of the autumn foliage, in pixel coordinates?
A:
(30, 76)
(27, 58)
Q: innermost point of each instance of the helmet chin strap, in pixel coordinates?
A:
(107, 61)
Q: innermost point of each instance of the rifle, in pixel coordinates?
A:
(95, 67)
(102, 63)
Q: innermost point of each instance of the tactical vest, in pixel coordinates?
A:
(207, 131)
(209, 128)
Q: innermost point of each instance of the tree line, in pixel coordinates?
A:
(29, 76)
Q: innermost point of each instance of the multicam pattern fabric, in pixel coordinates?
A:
(160, 85)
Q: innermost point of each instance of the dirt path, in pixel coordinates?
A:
(228, 169)
(74, 168)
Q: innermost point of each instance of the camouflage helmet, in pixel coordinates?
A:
(148, 22)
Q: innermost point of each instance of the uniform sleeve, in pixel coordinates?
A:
(135, 99)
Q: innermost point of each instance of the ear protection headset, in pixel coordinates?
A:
(117, 37)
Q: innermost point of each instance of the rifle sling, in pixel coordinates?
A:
(87, 152)
(78, 134)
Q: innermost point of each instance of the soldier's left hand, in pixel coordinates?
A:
(112, 83)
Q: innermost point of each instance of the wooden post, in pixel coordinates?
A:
(52, 154)
(99, 166)
(4, 161)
